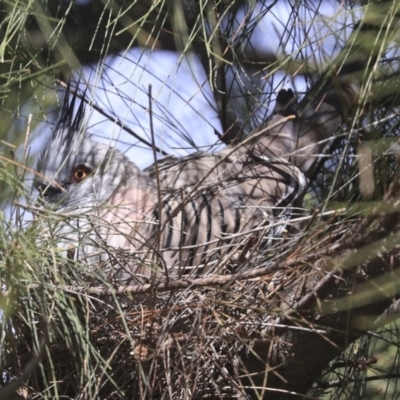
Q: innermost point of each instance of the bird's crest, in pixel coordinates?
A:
(70, 121)
(68, 133)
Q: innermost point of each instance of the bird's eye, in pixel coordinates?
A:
(79, 173)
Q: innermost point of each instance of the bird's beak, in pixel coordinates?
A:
(50, 189)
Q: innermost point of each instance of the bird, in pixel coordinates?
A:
(182, 215)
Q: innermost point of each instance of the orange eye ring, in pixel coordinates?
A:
(79, 173)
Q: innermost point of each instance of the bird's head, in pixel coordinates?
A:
(74, 170)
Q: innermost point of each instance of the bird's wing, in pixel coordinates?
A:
(211, 196)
